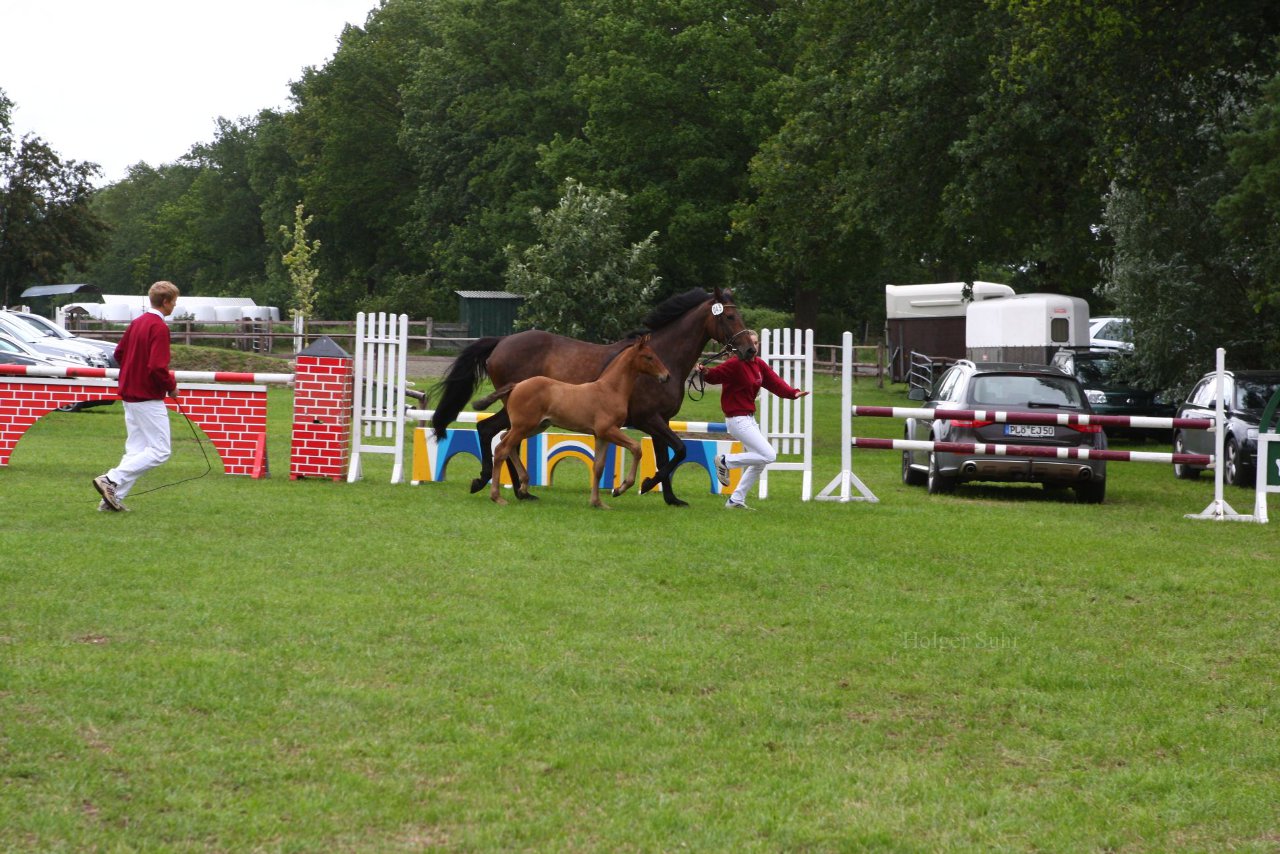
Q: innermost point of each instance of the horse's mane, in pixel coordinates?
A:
(673, 308)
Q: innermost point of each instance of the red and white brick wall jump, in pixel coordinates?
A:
(234, 417)
(322, 401)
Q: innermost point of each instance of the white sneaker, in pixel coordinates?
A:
(107, 489)
(103, 507)
(736, 505)
(722, 471)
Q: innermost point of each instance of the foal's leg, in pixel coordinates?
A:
(624, 441)
(597, 470)
(500, 455)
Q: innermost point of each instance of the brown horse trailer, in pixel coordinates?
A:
(930, 320)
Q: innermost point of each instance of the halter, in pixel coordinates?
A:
(696, 383)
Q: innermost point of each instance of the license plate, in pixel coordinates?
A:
(1029, 431)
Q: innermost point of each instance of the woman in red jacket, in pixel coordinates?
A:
(741, 380)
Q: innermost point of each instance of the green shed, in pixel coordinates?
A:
(488, 312)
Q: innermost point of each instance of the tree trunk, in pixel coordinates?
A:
(806, 301)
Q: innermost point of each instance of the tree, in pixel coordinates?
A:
(673, 91)
(484, 97)
(299, 262)
(582, 279)
(46, 220)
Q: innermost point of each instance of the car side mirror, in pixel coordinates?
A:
(916, 394)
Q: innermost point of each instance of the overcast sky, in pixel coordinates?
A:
(116, 82)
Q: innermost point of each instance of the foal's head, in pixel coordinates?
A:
(645, 361)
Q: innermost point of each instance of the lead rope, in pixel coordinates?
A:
(696, 382)
(208, 466)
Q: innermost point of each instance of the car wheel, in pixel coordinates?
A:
(1093, 492)
(936, 482)
(1181, 470)
(1232, 469)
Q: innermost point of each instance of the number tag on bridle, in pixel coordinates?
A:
(717, 309)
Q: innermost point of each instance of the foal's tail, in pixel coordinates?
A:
(487, 401)
(460, 383)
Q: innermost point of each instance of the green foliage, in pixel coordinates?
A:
(765, 318)
(1250, 211)
(47, 221)
(803, 153)
(582, 279)
(299, 261)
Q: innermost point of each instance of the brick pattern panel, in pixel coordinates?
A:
(233, 417)
(322, 401)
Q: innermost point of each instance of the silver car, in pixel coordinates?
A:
(57, 334)
(12, 324)
(1004, 387)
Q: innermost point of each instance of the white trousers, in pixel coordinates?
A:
(146, 446)
(758, 454)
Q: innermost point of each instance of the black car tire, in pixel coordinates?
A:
(1233, 470)
(1093, 492)
(936, 482)
(1181, 470)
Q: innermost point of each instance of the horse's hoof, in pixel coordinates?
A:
(647, 484)
(477, 484)
(672, 501)
(526, 496)
(501, 502)
(600, 505)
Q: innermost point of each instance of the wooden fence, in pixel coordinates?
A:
(425, 336)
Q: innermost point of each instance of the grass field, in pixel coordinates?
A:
(311, 666)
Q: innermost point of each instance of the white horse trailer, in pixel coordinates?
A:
(929, 319)
(1026, 328)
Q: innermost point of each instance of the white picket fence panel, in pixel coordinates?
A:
(788, 424)
(377, 425)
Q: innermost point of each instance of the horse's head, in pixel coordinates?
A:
(646, 361)
(724, 323)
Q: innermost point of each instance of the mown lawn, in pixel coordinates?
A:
(314, 666)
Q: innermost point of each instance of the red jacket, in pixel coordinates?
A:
(143, 354)
(742, 382)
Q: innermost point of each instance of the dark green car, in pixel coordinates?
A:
(1098, 372)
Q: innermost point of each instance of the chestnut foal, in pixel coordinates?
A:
(598, 408)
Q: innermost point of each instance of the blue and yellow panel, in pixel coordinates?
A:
(543, 452)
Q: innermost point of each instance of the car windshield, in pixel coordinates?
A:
(42, 327)
(19, 330)
(1013, 391)
(1100, 371)
(1254, 394)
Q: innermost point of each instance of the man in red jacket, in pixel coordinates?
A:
(741, 380)
(145, 380)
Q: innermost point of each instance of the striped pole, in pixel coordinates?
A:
(1012, 417)
(114, 373)
(476, 417)
(1072, 453)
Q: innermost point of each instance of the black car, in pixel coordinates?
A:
(1005, 387)
(1099, 371)
(1246, 394)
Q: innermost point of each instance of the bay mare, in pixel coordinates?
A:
(598, 408)
(680, 328)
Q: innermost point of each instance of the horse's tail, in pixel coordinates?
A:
(487, 401)
(460, 383)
